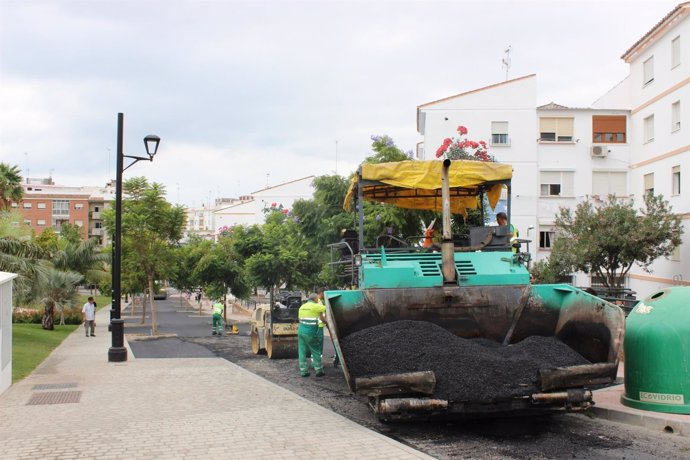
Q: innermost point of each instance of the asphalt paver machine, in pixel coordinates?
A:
(475, 287)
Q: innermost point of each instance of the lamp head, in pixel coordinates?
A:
(151, 143)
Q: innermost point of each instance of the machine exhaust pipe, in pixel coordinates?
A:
(447, 247)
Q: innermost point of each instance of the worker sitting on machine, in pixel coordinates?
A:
(502, 219)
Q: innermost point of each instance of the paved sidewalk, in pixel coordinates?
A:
(78, 405)
(608, 406)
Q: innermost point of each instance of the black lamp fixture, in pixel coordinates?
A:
(151, 143)
(118, 352)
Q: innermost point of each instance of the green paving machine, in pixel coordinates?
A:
(475, 286)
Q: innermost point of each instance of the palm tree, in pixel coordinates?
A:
(10, 186)
(84, 257)
(61, 289)
(19, 255)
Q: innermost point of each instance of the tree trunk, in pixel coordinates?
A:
(225, 307)
(154, 323)
(143, 308)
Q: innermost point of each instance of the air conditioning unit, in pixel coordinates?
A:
(599, 151)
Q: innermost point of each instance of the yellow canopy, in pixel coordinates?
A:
(417, 184)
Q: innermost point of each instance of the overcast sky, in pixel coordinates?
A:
(249, 93)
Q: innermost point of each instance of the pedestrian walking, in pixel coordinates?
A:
(217, 324)
(88, 315)
(308, 335)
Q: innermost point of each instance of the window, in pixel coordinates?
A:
(605, 183)
(649, 183)
(27, 222)
(40, 222)
(675, 181)
(41, 205)
(96, 209)
(79, 223)
(648, 129)
(675, 52)
(98, 225)
(555, 129)
(499, 133)
(27, 205)
(648, 71)
(547, 235)
(14, 205)
(556, 183)
(675, 116)
(60, 208)
(608, 128)
(78, 206)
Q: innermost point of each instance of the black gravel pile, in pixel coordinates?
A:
(466, 369)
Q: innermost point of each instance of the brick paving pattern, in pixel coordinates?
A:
(184, 408)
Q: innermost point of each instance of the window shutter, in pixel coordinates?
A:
(608, 124)
(600, 184)
(547, 125)
(550, 177)
(499, 127)
(648, 70)
(565, 126)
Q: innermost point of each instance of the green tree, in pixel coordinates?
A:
(71, 234)
(283, 259)
(386, 151)
(84, 257)
(185, 259)
(608, 239)
(151, 227)
(220, 270)
(11, 190)
(49, 240)
(18, 254)
(555, 269)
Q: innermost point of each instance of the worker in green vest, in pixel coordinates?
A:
(310, 313)
(513, 235)
(217, 324)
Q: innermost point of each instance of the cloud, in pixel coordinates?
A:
(241, 89)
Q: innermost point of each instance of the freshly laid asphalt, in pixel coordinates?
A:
(76, 404)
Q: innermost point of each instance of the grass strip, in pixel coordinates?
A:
(31, 344)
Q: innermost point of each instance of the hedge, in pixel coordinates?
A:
(34, 316)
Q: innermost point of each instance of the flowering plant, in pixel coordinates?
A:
(463, 148)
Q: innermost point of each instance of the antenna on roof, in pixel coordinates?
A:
(506, 61)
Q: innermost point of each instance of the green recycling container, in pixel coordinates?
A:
(657, 353)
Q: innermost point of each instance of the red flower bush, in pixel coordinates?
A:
(463, 148)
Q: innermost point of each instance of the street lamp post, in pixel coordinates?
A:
(118, 352)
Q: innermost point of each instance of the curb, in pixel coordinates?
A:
(609, 407)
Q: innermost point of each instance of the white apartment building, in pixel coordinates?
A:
(657, 93)
(557, 153)
(249, 210)
(630, 141)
